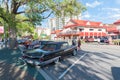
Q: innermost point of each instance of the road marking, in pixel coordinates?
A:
(71, 66)
(43, 73)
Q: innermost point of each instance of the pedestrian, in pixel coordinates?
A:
(98, 40)
(78, 44)
(73, 42)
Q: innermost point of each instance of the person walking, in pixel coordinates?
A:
(79, 44)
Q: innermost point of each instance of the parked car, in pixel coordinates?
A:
(104, 40)
(50, 52)
(89, 40)
(33, 44)
(21, 41)
(41, 43)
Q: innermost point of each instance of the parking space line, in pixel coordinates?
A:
(43, 73)
(71, 66)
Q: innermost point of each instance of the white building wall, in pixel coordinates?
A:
(52, 23)
(118, 27)
(94, 30)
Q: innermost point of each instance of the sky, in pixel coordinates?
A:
(105, 11)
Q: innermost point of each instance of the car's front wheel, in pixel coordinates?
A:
(20, 61)
(74, 52)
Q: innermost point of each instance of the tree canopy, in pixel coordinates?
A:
(34, 11)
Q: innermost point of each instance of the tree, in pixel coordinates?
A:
(34, 11)
(67, 8)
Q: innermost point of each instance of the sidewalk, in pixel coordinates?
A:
(10, 71)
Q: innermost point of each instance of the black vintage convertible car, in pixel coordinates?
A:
(50, 52)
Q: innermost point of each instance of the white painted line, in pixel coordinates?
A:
(43, 73)
(71, 66)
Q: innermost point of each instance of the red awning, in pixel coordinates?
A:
(99, 34)
(91, 33)
(104, 34)
(95, 33)
(81, 34)
(86, 33)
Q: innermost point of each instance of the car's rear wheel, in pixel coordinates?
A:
(74, 52)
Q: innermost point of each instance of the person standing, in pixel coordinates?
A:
(79, 44)
(98, 40)
(74, 42)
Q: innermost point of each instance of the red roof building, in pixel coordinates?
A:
(83, 29)
(117, 22)
(87, 29)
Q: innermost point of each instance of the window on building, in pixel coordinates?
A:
(99, 29)
(81, 30)
(90, 37)
(109, 32)
(91, 29)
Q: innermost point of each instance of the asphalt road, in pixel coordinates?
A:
(93, 62)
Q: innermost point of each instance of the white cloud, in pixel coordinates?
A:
(112, 9)
(114, 16)
(117, 1)
(94, 4)
(86, 15)
(110, 18)
(112, 13)
(106, 15)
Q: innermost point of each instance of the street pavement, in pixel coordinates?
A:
(9, 70)
(93, 62)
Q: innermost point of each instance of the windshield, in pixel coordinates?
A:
(49, 47)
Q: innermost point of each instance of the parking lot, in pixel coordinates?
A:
(93, 62)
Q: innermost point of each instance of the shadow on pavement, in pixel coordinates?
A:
(10, 71)
(116, 73)
(85, 69)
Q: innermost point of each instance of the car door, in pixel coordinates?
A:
(67, 49)
(52, 49)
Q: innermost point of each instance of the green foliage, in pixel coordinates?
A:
(66, 8)
(7, 17)
(24, 28)
(35, 36)
(63, 8)
(34, 11)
